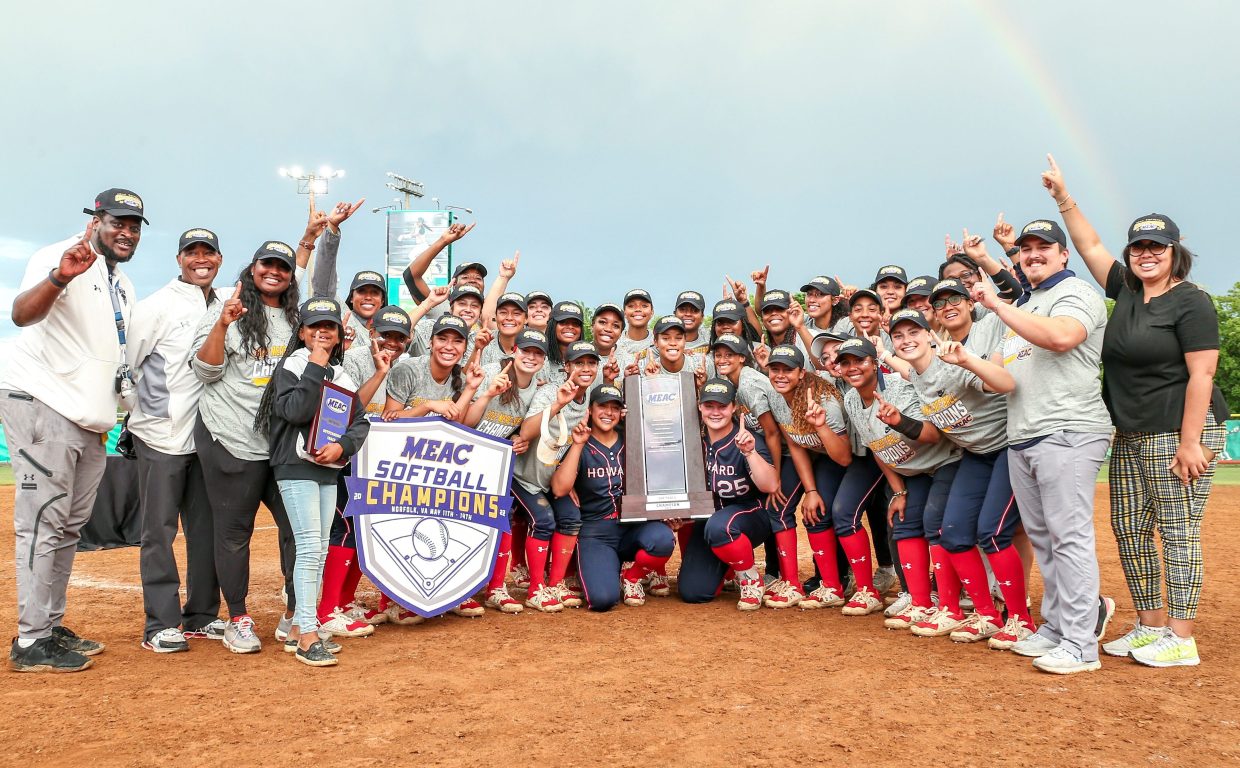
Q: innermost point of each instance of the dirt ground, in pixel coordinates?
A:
(666, 684)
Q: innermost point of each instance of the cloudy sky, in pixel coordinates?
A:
(659, 144)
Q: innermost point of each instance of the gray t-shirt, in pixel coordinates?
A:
(232, 391)
(1058, 391)
(799, 431)
(360, 366)
(410, 382)
(528, 470)
(986, 336)
(953, 400)
(628, 348)
(503, 419)
(421, 346)
(906, 457)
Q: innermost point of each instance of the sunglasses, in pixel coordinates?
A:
(953, 300)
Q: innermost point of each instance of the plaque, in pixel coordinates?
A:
(665, 467)
(331, 418)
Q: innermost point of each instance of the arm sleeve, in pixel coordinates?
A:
(208, 374)
(1115, 281)
(1197, 326)
(324, 281)
(410, 284)
(1007, 286)
(298, 396)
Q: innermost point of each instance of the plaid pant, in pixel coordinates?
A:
(1145, 494)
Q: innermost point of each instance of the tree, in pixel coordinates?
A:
(1228, 375)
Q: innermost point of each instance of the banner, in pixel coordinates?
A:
(430, 501)
(408, 234)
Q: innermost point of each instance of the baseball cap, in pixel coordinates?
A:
(667, 323)
(864, 293)
(119, 203)
(274, 249)
(605, 394)
(949, 285)
(566, 310)
(893, 272)
(580, 349)
(514, 298)
(318, 309)
(823, 284)
(469, 265)
(776, 299)
(1044, 229)
(368, 277)
(732, 343)
(636, 294)
(909, 316)
(820, 342)
(693, 299)
(531, 339)
(717, 391)
(728, 310)
(856, 347)
(462, 291)
(543, 295)
(786, 354)
(198, 235)
(1154, 227)
(392, 318)
(918, 286)
(450, 323)
(609, 306)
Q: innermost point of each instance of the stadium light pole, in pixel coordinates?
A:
(408, 188)
(311, 183)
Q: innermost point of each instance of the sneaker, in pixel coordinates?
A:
(751, 595)
(46, 655)
(567, 597)
(771, 589)
(397, 614)
(658, 584)
(283, 627)
(359, 612)
(822, 597)
(1059, 661)
(317, 655)
(470, 609)
(573, 583)
(862, 603)
(239, 636)
(1034, 646)
(977, 626)
(908, 617)
(341, 625)
(521, 577)
(69, 639)
(500, 600)
(1106, 612)
(937, 624)
(634, 594)
(545, 599)
(1169, 651)
(1137, 637)
(885, 579)
(787, 596)
(212, 631)
(902, 603)
(168, 640)
(291, 644)
(1012, 633)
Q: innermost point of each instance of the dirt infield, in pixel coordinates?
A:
(665, 684)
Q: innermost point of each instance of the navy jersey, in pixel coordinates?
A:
(600, 480)
(727, 471)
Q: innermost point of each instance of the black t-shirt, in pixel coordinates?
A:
(1144, 373)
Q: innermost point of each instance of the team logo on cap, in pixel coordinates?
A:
(451, 321)
(321, 305)
(124, 198)
(689, 295)
(199, 233)
(369, 276)
(776, 296)
(1149, 225)
(726, 306)
(783, 352)
(907, 314)
(916, 283)
(849, 346)
(569, 307)
(729, 338)
(512, 296)
(582, 346)
(535, 335)
(1037, 226)
(394, 317)
(467, 289)
(607, 389)
(890, 270)
(716, 389)
(947, 284)
(278, 247)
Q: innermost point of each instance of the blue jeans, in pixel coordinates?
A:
(310, 508)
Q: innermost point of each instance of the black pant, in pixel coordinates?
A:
(235, 487)
(172, 488)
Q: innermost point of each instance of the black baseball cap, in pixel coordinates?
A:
(820, 341)
(533, 295)
(864, 293)
(198, 235)
(891, 272)
(318, 309)
(638, 293)
(462, 291)
(392, 318)
(823, 284)
(1044, 229)
(274, 249)
(728, 310)
(580, 349)
(949, 285)
(609, 306)
(450, 323)
(856, 347)
(777, 299)
(918, 286)
(909, 316)
(605, 394)
(718, 391)
(732, 343)
(1154, 227)
(786, 354)
(118, 202)
(469, 265)
(693, 299)
(667, 323)
(368, 277)
(566, 310)
(514, 298)
(531, 339)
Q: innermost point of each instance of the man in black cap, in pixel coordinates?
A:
(58, 398)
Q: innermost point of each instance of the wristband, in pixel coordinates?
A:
(909, 427)
(1010, 252)
(307, 246)
(51, 278)
(812, 490)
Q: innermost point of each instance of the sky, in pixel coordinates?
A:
(617, 145)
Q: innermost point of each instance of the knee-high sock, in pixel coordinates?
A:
(536, 560)
(682, 542)
(857, 547)
(946, 578)
(915, 562)
(972, 573)
(349, 593)
(520, 529)
(737, 553)
(335, 572)
(501, 562)
(822, 544)
(643, 563)
(562, 546)
(1010, 573)
(786, 542)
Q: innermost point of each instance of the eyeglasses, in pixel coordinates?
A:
(1146, 246)
(966, 275)
(954, 299)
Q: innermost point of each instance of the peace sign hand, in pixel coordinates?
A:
(382, 357)
(1053, 181)
(80, 256)
(233, 309)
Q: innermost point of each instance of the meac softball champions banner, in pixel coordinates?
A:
(430, 501)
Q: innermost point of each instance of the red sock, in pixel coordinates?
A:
(786, 545)
(1010, 573)
(643, 563)
(562, 546)
(519, 531)
(384, 602)
(501, 562)
(335, 572)
(737, 553)
(972, 573)
(822, 544)
(536, 561)
(915, 560)
(948, 581)
(857, 547)
(349, 593)
(730, 575)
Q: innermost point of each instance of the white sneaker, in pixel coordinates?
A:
(338, 624)
(657, 584)
(1034, 646)
(976, 627)
(500, 600)
(908, 617)
(168, 640)
(751, 595)
(782, 594)
(634, 595)
(566, 596)
(545, 599)
(239, 636)
(823, 597)
(1014, 631)
(1137, 637)
(1169, 651)
(397, 614)
(901, 604)
(1060, 661)
(521, 577)
(862, 603)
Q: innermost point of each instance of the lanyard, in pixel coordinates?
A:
(117, 294)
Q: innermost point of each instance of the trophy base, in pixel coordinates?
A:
(667, 506)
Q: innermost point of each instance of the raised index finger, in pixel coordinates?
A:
(237, 291)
